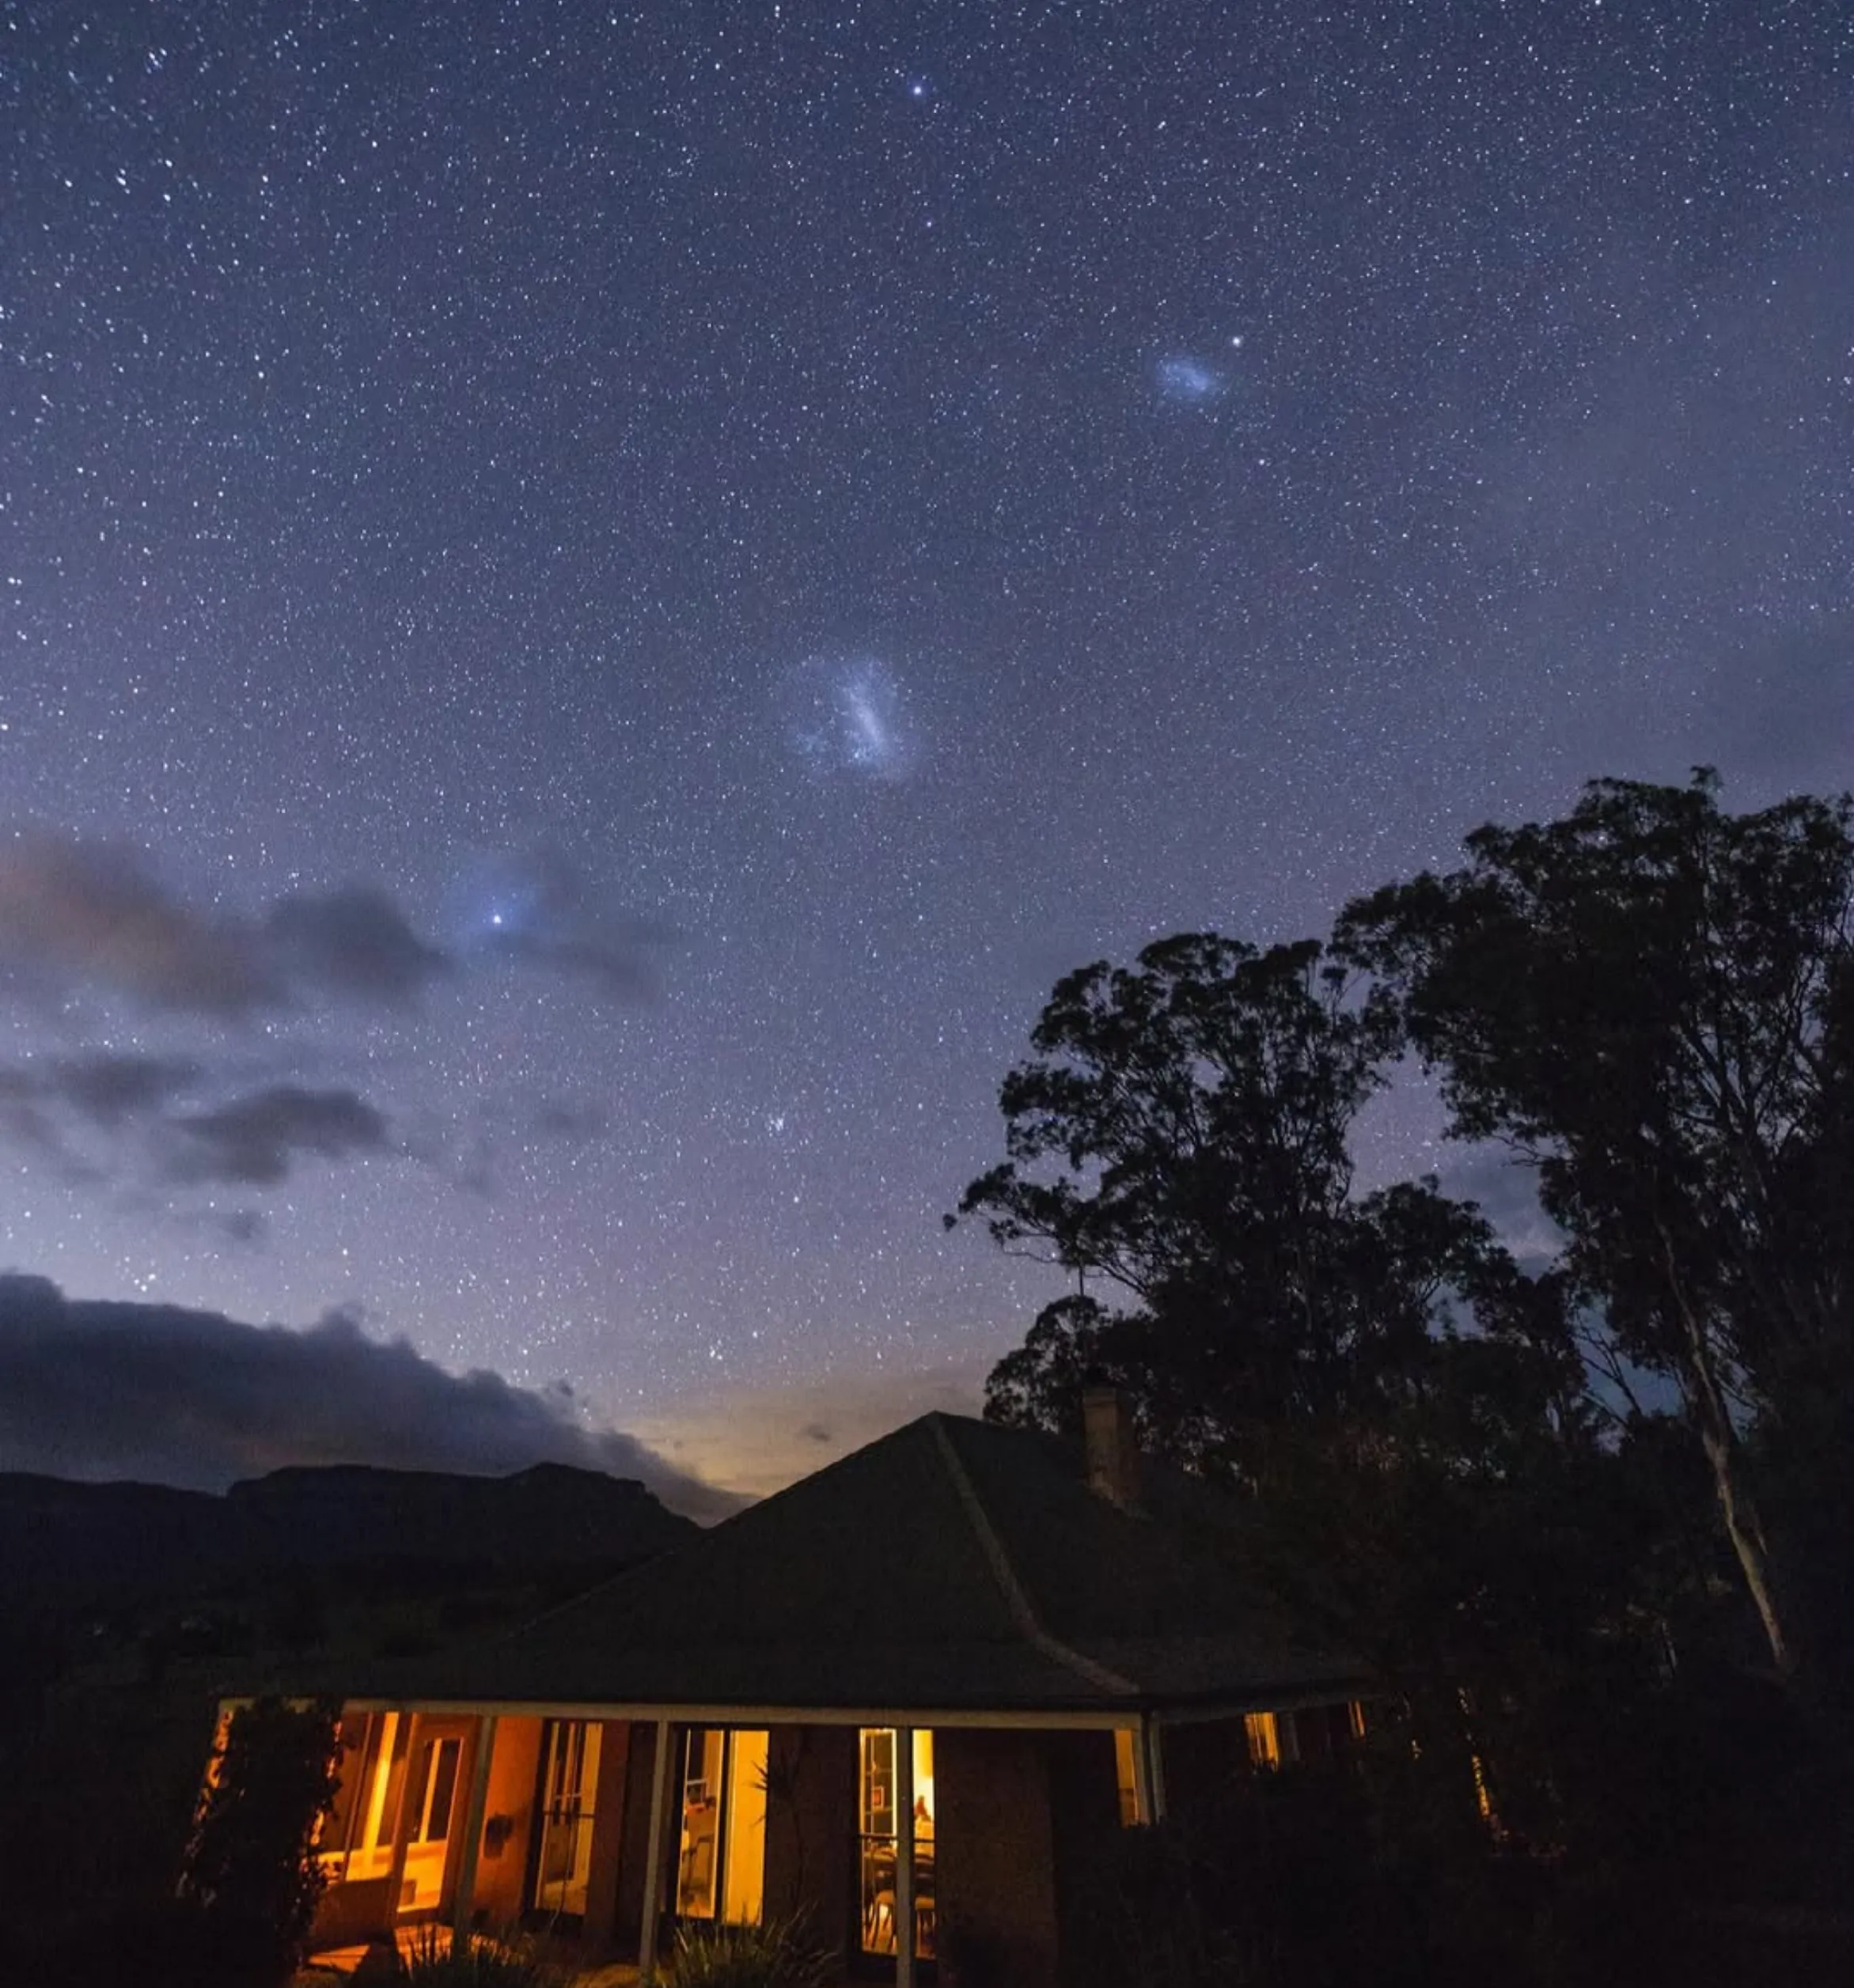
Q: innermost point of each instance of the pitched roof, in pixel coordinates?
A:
(950, 1565)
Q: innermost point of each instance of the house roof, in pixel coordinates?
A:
(951, 1565)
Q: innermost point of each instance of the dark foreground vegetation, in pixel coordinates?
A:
(1580, 1484)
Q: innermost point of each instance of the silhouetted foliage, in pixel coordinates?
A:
(1652, 1001)
(1475, 1476)
(251, 1875)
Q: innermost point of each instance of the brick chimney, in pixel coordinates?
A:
(1113, 1455)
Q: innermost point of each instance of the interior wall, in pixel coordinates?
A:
(508, 1822)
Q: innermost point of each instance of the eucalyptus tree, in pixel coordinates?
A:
(1651, 1000)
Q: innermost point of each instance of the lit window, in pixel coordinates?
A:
(1126, 1780)
(438, 1772)
(722, 1870)
(358, 1838)
(879, 1840)
(1274, 1740)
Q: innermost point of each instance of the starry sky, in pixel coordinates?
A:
(595, 600)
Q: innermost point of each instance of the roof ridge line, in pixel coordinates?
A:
(1015, 1599)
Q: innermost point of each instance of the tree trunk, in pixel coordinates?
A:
(1719, 1439)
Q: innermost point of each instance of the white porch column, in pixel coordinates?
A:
(904, 1857)
(464, 1896)
(657, 1845)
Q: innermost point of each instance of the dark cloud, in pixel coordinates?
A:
(254, 1139)
(257, 1139)
(87, 911)
(163, 1394)
(39, 1100)
(23, 1117)
(78, 913)
(107, 1089)
(73, 912)
(552, 916)
(355, 940)
(559, 1118)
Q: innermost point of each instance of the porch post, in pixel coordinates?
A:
(464, 1896)
(656, 1847)
(1149, 1767)
(904, 1857)
(395, 1882)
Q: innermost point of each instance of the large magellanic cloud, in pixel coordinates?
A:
(166, 1395)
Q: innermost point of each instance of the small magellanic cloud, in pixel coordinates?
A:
(1190, 381)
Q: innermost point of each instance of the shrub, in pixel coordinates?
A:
(780, 1954)
(477, 1960)
(252, 1877)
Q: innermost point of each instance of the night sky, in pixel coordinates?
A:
(594, 601)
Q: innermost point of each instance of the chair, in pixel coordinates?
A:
(878, 1923)
(698, 1865)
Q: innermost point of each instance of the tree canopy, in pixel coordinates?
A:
(1494, 1481)
(1652, 1002)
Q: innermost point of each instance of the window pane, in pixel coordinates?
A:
(698, 1868)
(443, 1787)
(925, 1907)
(878, 1842)
(1126, 1782)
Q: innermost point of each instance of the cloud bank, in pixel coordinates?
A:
(163, 1394)
(76, 913)
(81, 917)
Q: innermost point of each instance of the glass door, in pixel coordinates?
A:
(569, 1787)
(879, 1839)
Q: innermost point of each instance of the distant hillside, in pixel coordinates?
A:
(64, 1544)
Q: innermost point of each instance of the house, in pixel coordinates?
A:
(917, 1693)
